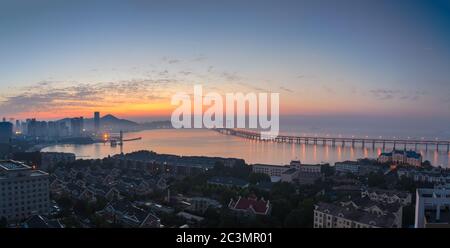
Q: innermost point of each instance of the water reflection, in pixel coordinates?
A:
(210, 143)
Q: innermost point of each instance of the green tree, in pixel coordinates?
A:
(255, 178)
(303, 216)
(280, 208)
(376, 180)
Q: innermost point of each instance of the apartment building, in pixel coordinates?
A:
(24, 191)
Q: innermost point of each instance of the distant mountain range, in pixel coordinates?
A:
(111, 123)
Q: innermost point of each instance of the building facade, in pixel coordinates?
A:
(327, 215)
(250, 206)
(96, 122)
(347, 167)
(387, 196)
(401, 157)
(50, 159)
(24, 191)
(271, 170)
(432, 207)
(6, 132)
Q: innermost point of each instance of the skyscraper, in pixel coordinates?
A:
(6, 132)
(96, 122)
(77, 126)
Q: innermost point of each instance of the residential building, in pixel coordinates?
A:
(347, 167)
(24, 191)
(401, 157)
(201, 204)
(250, 206)
(77, 126)
(433, 207)
(50, 159)
(39, 221)
(125, 213)
(328, 215)
(271, 170)
(308, 177)
(290, 175)
(310, 168)
(434, 176)
(6, 132)
(394, 209)
(387, 196)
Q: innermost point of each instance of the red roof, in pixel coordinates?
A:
(258, 206)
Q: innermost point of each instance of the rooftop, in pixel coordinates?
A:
(357, 215)
(11, 165)
(290, 171)
(258, 206)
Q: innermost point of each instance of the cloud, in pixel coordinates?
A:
(231, 76)
(200, 58)
(55, 96)
(286, 89)
(384, 94)
(185, 73)
(389, 94)
(173, 61)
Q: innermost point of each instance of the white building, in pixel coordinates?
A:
(23, 191)
(271, 170)
(311, 168)
(290, 175)
(430, 176)
(432, 207)
(347, 167)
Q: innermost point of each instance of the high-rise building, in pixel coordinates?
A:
(17, 127)
(6, 132)
(23, 191)
(96, 122)
(77, 126)
(432, 207)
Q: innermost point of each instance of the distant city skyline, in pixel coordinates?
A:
(325, 58)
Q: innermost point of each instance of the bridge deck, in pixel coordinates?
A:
(324, 139)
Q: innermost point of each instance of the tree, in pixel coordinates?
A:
(280, 208)
(282, 190)
(303, 216)
(255, 178)
(426, 163)
(376, 180)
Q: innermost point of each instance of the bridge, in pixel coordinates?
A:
(396, 143)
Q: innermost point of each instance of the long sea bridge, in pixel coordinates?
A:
(396, 143)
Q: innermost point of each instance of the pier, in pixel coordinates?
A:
(363, 142)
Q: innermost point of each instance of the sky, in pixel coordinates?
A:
(375, 59)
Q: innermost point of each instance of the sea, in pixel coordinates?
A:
(205, 142)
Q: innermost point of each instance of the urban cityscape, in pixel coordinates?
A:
(144, 189)
(87, 137)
